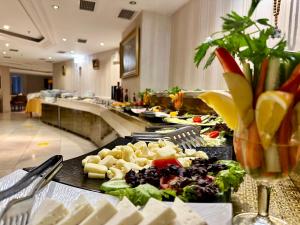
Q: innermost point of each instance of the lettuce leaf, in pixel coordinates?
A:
(230, 178)
(138, 195)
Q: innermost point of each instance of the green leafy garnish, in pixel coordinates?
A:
(174, 90)
(230, 178)
(246, 39)
(140, 194)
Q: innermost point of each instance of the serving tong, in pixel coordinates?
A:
(187, 137)
(17, 211)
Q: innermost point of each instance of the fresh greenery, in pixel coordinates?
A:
(246, 39)
(174, 90)
(142, 193)
(230, 178)
(146, 91)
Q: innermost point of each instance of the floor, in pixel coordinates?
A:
(26, 142)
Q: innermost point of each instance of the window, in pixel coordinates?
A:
(16, 85)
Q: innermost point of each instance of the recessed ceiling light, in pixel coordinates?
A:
(7, 44)
(72, 52)
(102, 44)
(4, 52)
(49, 57)
(64, 39)
(56, 7)
(132, 2)
(6, 27)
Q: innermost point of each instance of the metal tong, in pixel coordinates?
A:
(187, 137)
(17, 211)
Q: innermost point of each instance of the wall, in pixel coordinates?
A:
(154, 52)
(96, 81)
(5, 88)
(193, 23)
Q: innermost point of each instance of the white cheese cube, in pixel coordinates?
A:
(81, 208)
(185, 215)
(50, 212)
(157, 213)
(103, 211)
(127, 214)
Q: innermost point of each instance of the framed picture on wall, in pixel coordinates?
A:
(130, 54)
(96, 64)
(63, 70)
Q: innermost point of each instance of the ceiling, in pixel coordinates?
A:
(44, 29)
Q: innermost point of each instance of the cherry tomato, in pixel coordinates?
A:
(214, 134)
(197, 119)
(163, 163)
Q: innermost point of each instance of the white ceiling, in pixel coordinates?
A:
(37, 18)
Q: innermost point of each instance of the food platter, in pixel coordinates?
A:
(213, 214)
(72, 172)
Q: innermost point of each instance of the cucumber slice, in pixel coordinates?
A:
(273, 74)
(247, 72)
(113, 185)
(272, 160)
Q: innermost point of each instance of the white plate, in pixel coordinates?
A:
(213, 213)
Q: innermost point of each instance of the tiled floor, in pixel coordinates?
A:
(26, 142)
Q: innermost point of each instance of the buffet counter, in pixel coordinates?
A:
(90, 120)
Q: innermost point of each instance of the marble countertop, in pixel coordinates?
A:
(122, 123)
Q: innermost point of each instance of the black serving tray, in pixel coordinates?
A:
(72, 171)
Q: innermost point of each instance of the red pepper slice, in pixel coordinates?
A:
(228, 62)
(163, 163)
(292, 84)
(197, 119)
(214, 134)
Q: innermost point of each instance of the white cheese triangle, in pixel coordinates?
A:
(157, 213)
(81, 208)
(103, 211)
(127, 214)
(50, 212)
(185, 215)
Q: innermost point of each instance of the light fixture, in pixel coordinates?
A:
(102, 44)
(49, 57)
(56, 7)
(6, 27)
(7, 44)
(132, 2)
(72, 52)
(64, 39)
(4, 53)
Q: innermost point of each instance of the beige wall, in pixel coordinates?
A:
(154, 52)
(96, 81)
(193, 23)
(5, 88)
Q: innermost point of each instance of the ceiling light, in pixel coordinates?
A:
(4, 52)
(49, 57)
(102, 44)
(56, 7)
(132, 2)
(7, 44)
(64, 39)
(6, 27)
(72, 52)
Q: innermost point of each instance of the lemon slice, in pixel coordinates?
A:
(271, 107)
(223, 105)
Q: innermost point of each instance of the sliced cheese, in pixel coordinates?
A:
(50, 212)
(81, 208)
(185, 215)
(157, 213)
(103, 211)
(127, 214)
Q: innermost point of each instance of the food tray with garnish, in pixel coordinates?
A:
(74, 174)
